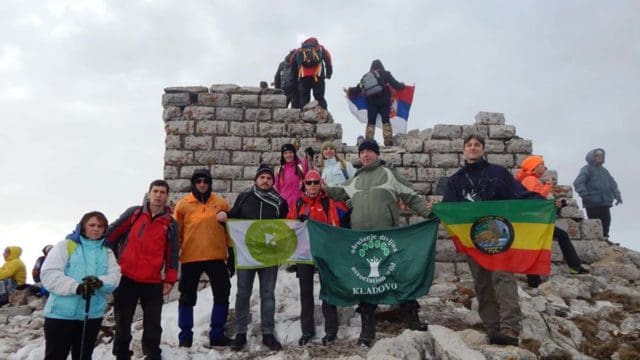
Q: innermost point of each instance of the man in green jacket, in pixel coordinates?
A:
(373, 193)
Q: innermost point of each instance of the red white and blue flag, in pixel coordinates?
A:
(400, 105)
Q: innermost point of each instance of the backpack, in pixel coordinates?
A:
(371, 83)
(118, 245)
(287, 77)
(343, 167)
(310, 55)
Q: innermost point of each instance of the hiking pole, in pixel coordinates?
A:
(87, 305)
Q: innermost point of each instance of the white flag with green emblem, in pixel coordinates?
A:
(263, 243)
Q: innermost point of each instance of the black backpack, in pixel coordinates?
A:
(371, 83)
(310, 55)
(287, 77)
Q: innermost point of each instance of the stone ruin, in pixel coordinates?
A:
(232, 129)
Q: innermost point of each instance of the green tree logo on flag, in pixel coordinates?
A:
(374, 249)
(269, 241)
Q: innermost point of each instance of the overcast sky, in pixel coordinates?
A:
(81, 85)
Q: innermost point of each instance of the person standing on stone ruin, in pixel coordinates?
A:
(292, 169)
(79, 270)
(598, 189)
(375, 86)
(145, 239)
(313, 65)
(286, 79)
(497, 291)
(531, 169)
(314, 204)
(204, 248)
(373, 192)
(259, 202)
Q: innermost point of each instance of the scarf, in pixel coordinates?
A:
(270, 197)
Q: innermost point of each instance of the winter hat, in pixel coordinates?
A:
(327, 145)
(201, 173)
(528, 165)
(312, 175)
(289, 147)
(369, 144)
(264, 168)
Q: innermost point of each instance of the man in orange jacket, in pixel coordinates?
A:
(204, 247)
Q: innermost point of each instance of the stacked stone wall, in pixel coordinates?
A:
(232, 129)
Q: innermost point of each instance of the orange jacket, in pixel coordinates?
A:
(314, 209)
(201, 236)
(533, 183)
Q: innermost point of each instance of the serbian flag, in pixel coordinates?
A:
(512, 235)
(400, 105)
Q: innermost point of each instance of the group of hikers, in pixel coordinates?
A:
(138, 257)
(305, 69)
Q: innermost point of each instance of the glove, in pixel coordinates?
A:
(303, 218)
(93, 283)
(618, 202)
(309, 151)
(231, 263)
(84, 290)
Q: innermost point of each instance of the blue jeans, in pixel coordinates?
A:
(267, 277)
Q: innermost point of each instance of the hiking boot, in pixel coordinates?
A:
(239, 342)
(328, 339)
(185, 343)
(504, 337)
(221, 341)
(365, 342)
(578, 271)
(305, 339)
(291, 268)
(368, 331)
(534, 280)
(387, 134)
(271, 342)
(411, 316)
(369, 131)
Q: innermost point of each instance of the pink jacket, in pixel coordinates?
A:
(288, 180)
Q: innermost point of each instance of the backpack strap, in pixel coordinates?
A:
(325, 206)
(343, 167)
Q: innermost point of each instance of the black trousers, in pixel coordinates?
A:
(62, 336)
(305, 85)
(307, 324)
(374, 109)
(218, 275)
(604, 214)
(568, 252)
(126, 299)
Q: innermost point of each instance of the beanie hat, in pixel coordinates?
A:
(287, 147)
(369, 144)
(312, 175)
(201, 173)
(264, 168)
(327, 145)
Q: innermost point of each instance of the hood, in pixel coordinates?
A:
(591, 156)
(14, 252)
(376, 65)
(527, 167)
(46, 249)
(75, 234)
(287, 57)
(198, 173)
(310, 42)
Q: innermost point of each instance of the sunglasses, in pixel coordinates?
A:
(202, 181)
(312, 182)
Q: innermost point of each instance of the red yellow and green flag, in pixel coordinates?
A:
(510, 235)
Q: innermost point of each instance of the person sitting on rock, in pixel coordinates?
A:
(531, 169)
(35, 272)
(12, 274)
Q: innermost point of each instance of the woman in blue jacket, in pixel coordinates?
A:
(78, 269)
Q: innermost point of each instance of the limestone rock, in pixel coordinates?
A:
(489, 118)
(410, 345)
(448, 345)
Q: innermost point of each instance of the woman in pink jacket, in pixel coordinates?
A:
(291, 172)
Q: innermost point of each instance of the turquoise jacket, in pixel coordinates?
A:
(66, 265)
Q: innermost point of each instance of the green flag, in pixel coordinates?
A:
(375, 266)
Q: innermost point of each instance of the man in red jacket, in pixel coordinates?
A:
(145, 239)
(314, 204)
(313, 64)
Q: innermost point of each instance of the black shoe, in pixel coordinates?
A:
(328, 339)
(419, 326)
(365, 342)
(504, 337)
(221, 341)
(185, 343)
(291, 268)
(580, 270)
(305, 339)
(271, 342)
(239, 342)
(534, 281)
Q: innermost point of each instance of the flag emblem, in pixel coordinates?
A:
(492, 234)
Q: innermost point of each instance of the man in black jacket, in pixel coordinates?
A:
(496, 290)
(259, 202)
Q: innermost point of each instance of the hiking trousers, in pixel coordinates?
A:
(126, 299)
(497, 294)
(267, 277)
(63, 336)
(374, 109)
(604, 214)
(305, 85)
(218, 275)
